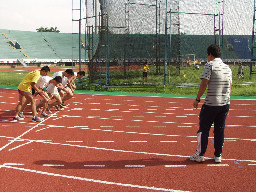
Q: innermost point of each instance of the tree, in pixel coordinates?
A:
(45, 29)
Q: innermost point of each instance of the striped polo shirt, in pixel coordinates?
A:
(220, 79)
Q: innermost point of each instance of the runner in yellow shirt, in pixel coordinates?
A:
(25, 95)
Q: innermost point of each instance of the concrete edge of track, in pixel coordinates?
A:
(87, 92)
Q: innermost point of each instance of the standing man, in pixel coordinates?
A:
(218, 77)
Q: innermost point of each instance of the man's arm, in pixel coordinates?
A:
(202, 88)
(33, 85)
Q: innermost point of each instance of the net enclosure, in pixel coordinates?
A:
(140, 43)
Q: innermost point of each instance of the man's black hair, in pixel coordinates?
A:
(214, 50)
(70, 71)
(58, 79)
(46, 69)
(81, 73)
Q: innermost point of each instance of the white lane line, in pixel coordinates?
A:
(175, 165)
(17, 164)
(53, 165)
(19, 137)
(91, 180)
(138, 141)
(20, 145)
(74, 141)
(252, 164)
(137, 166)
(42, 129)
(218, 165)
(94, 165)
(168, 141)
(169, 122)
(77, 109)
(91, 117)
(105, 141)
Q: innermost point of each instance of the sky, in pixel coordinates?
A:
(28, 15)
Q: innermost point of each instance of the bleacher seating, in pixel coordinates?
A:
(37, 45)
(49, 45)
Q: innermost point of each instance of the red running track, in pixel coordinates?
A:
(123, 143)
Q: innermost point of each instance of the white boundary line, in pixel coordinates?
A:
(91, 180)
(18, 138)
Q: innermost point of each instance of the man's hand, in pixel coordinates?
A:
(195, 104)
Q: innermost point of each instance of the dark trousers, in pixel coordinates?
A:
(208, 116)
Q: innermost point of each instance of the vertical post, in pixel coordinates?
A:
(214, 29)
(98, 62)
(170, 46)
(80, 19)
(219, 31)
(253, 39)
(165, 44)
(106, 41)
(156, 42)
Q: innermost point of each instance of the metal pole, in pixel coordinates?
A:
(219, 31)
(170, 47)
(214, 28)
(165, 44)
(80, 35)
(156, 42)
(106, 42)
(253, 39)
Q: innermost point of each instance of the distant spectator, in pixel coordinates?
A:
(240, 71)
(145, 71)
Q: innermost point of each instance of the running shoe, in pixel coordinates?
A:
(21, 116)
(62, 105)
(37, 119)
(15, 119)
(44, 114)
(217, 159)
(197, 158)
